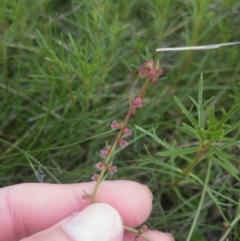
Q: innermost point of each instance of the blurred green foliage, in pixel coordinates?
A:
(68, 68)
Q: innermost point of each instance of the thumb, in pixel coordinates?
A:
(99, 221)
(96, 222)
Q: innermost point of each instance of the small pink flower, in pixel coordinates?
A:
(122, 143)
(150, 70)
(104, 152)
(85, 197)
(100, 165)
(144, 228)
(112, 169)
(127, 132)
(95, 177)
(115, 125)
(137, 103)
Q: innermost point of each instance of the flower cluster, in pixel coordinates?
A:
(122, 143)
(95, 177)
(142, 230)
(151, 71)
(86, 196)
(137, 103)
(101, 166)
(112, 169)
(115, 125)
(127, 132)
(105, 152)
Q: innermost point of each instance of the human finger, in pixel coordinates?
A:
(98, 221)
(153, 234)
(29, 208)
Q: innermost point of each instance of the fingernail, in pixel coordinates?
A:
(98, 221)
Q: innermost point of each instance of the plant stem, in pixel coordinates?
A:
(235, 222)
(196, 160)
(200, 205)
(130, 111)
(136, 231)
(189, 168)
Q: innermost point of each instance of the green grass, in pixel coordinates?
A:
(68, 69)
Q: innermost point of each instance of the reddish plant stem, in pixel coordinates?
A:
(141, 92)
(190, 167)
(196, 160)
(130, 111)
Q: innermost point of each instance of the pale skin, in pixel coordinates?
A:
(36, 211)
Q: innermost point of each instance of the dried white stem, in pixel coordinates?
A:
(201, 47)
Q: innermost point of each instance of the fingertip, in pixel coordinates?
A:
(157, 235)
(154, 235)
(99, 221)
(132, 199)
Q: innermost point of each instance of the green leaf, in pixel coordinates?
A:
(223, 162)
(232, 127)
(226, 116)
(172, 150)
(201, 133)
(230, 168)
(221, 154)
(218, 135)
(200, 107)
(194, 102)
(196, 236)
(229, 144)
(185, 111)
(43, 40)
(210, 118)
(72, 44)
(191, 131)
(179, 152)
(207, 102)
(155, 137)
(166, 165)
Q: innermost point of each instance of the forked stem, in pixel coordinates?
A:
(133, 230)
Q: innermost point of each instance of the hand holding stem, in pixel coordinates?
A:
(152, 73)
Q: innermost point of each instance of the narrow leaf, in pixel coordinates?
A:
(178, 152)
(200, 107)
(185, 111)
(226, 116)
(229, 167)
